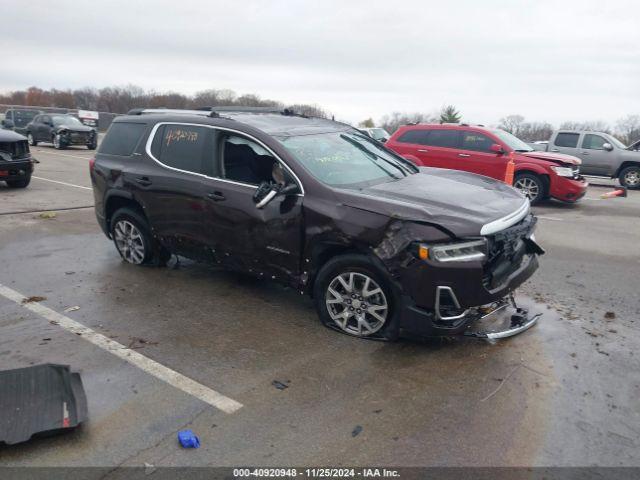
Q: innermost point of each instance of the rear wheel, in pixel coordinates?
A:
(22, 183)
(31, 139)
(630, 177)
(531, 186)
(133, 240)
(352, 295)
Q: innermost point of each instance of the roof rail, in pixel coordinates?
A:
(214, 111)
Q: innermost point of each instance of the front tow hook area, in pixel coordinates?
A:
(501, 320)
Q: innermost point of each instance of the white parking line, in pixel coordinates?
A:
(61, 183)
(145, 364)
(64, 154)
(555, 219)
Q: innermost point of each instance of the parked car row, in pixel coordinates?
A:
(60, 130)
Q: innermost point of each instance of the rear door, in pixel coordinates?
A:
(595, 159)
(264, 241)
(43, 128)
(442, 148)
(169, 185)
(476, 156)
(412, 142)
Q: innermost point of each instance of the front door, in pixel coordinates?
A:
(264, 241)
(595, 159)
(476, 156)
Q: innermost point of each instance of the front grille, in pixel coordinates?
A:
(16, 150)
(506, 249)
(79, 137)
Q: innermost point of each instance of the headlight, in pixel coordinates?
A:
(472, 251)
(563, 171)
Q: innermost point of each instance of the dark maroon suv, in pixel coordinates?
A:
(383, 246)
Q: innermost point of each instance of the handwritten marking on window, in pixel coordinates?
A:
(179, 135)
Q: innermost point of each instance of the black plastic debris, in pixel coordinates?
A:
(280, 385)
(43, 399)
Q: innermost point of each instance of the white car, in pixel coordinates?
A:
(377, 133)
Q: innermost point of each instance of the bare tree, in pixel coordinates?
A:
(367, 123)
(512, 124)
(590, 125)
(393, 121)
(628, 129)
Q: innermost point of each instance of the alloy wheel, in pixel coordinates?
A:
(632, 178)
(30, 139)
(357, 304)
(129, 242)
(528, 187)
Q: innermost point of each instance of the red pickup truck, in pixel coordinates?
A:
(486, 151)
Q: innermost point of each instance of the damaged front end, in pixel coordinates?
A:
(449, 287)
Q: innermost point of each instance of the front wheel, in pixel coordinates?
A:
(31, 139)
(531, 186)
(352, 295)
(22, 183)
(58, 144)
(630, 177)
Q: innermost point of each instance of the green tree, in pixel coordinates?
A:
(449, 114)
(368, 123)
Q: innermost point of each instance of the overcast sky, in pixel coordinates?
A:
(554, 61)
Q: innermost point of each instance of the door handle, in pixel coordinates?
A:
(464, 155)
(423, 150)
(144, 181)
(216, 196)
(555, 150)
(585, 153)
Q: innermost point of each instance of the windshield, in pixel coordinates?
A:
(617, 142)
(67, 120)
(512, 141)
(347, 159)
(379, 133)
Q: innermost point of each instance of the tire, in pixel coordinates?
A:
(22, 183)
(630, 177)
(58, 144)
(531, 186)
(92, 146)
(32, 141)
(342, 286)
(133, 240)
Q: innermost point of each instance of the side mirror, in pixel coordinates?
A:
(8, 124)
(497, 149)
(267, 191)
(607, 146)
(383, 140)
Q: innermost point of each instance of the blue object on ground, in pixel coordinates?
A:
(188, 439)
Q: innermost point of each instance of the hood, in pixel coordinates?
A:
(460, 202)
(10, 136)
(74, 128)
(559, 158)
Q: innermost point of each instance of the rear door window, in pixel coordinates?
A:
(182, 146)
(122, 138)
(593, 142)
(476, 142)
(414, 136)
(569, 140)
(444, 138)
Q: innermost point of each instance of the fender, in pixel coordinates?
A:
(533, 167)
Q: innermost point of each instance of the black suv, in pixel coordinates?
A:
(16, 164)
(61, 130)
(382, 245)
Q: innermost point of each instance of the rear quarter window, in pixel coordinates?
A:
(569, 140)
(444, 138)
(122, 138)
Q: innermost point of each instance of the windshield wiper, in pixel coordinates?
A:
(375, 156)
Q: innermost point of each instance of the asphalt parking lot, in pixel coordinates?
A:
(564, 393)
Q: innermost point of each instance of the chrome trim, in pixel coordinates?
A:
(514, 331)
(440, 289)
(242, 184)
(506, 221)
